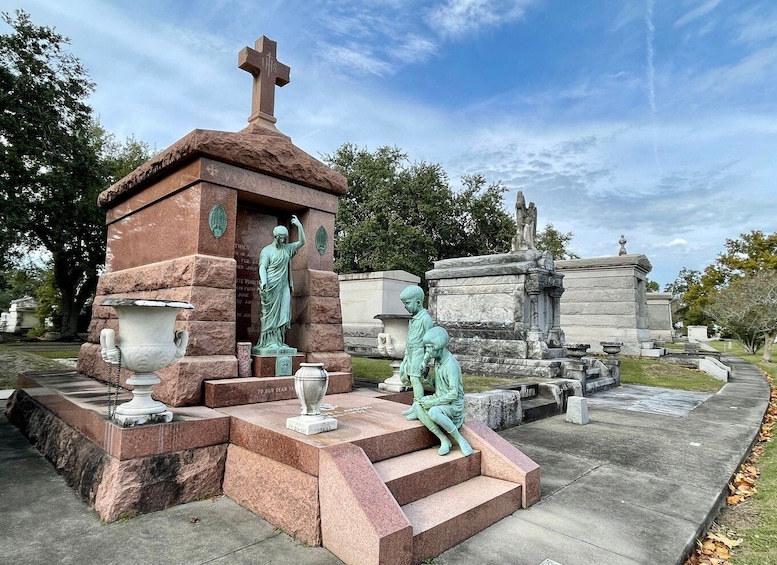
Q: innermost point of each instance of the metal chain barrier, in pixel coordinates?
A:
(114, 376)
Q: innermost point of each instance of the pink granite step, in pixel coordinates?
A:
(422, 473)
(450, 516)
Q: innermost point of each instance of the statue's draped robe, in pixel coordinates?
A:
(276, 297)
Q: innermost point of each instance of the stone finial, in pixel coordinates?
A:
(622, 241)
(268, 73)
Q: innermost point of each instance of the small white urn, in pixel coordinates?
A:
(310, 383)
(148, 342)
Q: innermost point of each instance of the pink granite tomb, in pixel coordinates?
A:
(189, 224)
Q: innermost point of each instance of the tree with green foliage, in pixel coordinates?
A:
(651, 286)
(403, 215)
(747, 308)
(690, 292)
(750, 254)
(54, 161)
(550, 239)
(18, 282)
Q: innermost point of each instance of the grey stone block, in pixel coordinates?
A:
(498, 409)
(577, 410)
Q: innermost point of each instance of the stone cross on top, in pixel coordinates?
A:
(267, 72)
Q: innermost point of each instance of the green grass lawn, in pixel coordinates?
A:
(378, 370)
(651, 372)
(755, 520)
(14, 361)
(633, 371)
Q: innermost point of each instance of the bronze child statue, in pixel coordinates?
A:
(412, 365)
(442, 411)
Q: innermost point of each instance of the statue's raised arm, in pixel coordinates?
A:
(301, 240)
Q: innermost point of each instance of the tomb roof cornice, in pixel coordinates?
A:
(255, 148)
(637, 260)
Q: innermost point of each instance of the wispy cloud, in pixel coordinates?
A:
(355, 59)
(756, 24)
(651, 78)
(458, 17)
(697, 12)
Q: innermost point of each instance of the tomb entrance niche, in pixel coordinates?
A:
(253, 230)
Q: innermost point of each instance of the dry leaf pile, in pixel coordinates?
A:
(715, 548)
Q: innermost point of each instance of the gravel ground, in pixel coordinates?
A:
(13, 362)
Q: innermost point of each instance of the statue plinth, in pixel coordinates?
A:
(281, 363)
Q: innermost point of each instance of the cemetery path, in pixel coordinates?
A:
(629, 487)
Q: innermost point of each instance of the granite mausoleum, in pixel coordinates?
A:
(364, 297)
(189, 225)
(659, 308)
(606, 300)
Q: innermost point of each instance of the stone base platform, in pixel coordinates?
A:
(593, 386)
(119, 471)
(233, 392)
(374, 490)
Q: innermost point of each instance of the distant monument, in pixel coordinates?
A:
(622, 241)
(502, 311)
(606, 300)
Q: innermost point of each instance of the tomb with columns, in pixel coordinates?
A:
(502, 311)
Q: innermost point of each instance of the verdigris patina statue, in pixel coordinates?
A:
(412, 367)
(442, 411)
(275, 288)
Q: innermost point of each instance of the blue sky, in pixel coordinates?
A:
(650, 118)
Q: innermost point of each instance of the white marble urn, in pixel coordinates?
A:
(148, 341)
(392, 342)
(310, 384)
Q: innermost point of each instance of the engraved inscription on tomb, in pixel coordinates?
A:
(253, 231)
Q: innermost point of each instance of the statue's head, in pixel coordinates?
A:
(413, 298)
(437, 337)
(280, 233)
(435, 341)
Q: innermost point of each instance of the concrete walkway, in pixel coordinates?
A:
(630, 487)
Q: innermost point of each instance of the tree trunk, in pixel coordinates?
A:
(75, 288)
(68, 329)
(768, 344)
